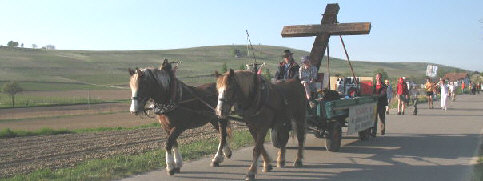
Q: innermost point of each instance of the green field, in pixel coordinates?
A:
(34, 101)
(78, 69)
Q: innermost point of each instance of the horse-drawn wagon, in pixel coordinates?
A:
(329, 116)
(332, 112)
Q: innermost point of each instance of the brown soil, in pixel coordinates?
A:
(121, 119)
(25, 154)
(36, 112)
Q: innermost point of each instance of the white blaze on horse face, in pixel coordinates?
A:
(221, 96)
(134, 93)
(134, 102)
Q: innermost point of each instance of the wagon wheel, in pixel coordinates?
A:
(334, 136)
(365, 134)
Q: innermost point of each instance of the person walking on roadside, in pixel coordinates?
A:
(428, 86)
(451, 89)
(444, 94)
(463, 87)
(478, 87)
(389, 94)
(402, 94)
(380, 90)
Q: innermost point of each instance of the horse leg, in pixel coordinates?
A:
(170, 164)
(300, 130)
(281, 157)
(267, 166)
(252, 170)
(178, 159)
(226, 149)
(218, 158)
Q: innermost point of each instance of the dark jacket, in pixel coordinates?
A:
(292, 71)
(382, 101)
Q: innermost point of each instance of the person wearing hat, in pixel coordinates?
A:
(308, 74)
(288, 68)
(389, 93)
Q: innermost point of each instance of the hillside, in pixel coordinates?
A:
(75, 69)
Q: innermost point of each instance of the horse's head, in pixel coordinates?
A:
(148, 84)
(233, 87)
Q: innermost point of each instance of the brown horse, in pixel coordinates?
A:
(181, 107)
(264, 105)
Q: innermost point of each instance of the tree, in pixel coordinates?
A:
(267, 74)
(224, 68)
(384, 75)
(21, 45)
(11, 88)
(12, 44)
(242, 67)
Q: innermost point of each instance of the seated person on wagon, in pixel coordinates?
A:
(288, 68)
(308, 75)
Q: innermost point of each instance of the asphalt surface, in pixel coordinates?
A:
(434, 145)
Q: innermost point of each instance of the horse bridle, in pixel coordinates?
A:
(246, 102)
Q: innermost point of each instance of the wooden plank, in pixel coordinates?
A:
(332, 9)
(331, 29)
(318, 49)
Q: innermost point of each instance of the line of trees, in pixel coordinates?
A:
(34, 46)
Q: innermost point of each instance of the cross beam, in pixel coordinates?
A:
(328, 26)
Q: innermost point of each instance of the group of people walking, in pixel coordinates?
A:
(446, 91)
(307, 74)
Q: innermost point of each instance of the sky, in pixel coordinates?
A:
(447, 32)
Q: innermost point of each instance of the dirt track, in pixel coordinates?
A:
(25, 154)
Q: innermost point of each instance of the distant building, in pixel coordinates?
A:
(457, 77)
(48, 47)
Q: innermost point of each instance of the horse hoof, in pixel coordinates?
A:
(267, 168)
(281, 164)
(177, 170)
(297, 164)
(213, 164)
(250, 178)
(171, 172)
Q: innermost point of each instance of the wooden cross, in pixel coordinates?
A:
(328, 26)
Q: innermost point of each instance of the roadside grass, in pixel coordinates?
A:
(122, 166)
(8, 133)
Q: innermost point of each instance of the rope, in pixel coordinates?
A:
(328, 69)
(348, 61)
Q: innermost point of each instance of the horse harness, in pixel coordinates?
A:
(258, 96)
(170, 103)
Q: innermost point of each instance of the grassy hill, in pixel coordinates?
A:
(77, 69)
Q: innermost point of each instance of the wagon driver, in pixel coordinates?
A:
(288, 68)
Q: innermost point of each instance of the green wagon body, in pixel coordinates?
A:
(340, 107)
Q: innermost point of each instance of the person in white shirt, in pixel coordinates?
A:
(444, 94)
(451, 89)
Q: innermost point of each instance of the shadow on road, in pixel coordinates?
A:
(400, 157)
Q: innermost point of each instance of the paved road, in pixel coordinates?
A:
(434, 145)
